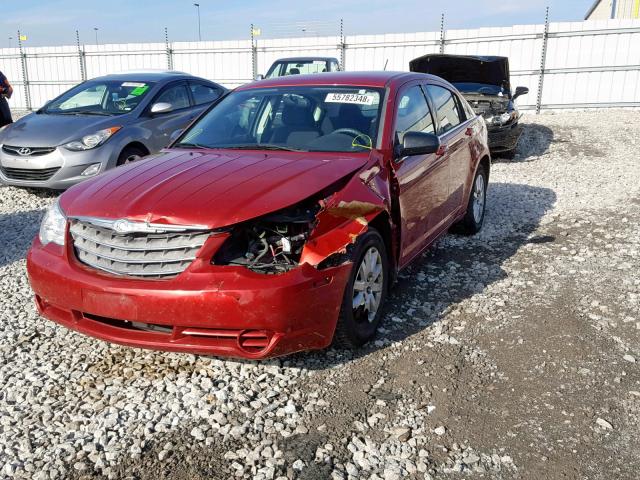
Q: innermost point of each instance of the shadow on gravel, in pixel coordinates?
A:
(16, 233)
(534, 142)
(513, 214)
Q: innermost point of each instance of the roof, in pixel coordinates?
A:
(304, 59)
(374, 79)
(147, 75)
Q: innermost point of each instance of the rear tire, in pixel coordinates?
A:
(130, 154)
(474, 218)
(365, 293)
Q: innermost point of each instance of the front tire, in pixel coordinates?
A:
(474, 218)
(130, 154)
(365, 293)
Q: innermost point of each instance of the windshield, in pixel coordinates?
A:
(317, 119)
(280, 69)
(482, 88)
(100, 98)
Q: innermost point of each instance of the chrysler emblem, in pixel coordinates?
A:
(123, 226)
(24, 151)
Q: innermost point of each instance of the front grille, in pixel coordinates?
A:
(32, 151)
(29, 174)
(149, 255)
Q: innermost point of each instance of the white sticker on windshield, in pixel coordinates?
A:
(356, 98)
(133, 84)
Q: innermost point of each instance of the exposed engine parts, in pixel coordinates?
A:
(270, 244)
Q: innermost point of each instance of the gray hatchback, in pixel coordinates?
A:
(100, 124)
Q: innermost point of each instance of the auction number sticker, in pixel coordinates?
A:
(357, 98)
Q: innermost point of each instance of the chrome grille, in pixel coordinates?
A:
(136, 254)
(27, 151)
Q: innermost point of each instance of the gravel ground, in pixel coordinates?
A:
(511, 354)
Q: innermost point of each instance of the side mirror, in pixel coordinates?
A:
(161, 107)
(520, 91)
(418, 143)
(259, 77)
(175, 134)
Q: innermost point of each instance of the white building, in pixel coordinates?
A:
(608, 9)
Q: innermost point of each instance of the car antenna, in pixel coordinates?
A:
(385, 64)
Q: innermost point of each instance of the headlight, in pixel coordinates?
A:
(91, 141)
(53, 226)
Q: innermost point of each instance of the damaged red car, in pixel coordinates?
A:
(275, 223)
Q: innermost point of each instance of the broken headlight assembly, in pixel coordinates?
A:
(272, 243)
(502, 119)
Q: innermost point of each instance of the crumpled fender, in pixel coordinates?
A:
(346, 214)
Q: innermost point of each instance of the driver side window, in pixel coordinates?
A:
(413, 114)
(176, 95)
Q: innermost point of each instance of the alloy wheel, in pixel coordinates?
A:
(368, 285)
(479, 194)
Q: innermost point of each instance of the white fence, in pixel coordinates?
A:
(565, 65)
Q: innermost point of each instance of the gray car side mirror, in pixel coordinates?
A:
(161, 107)
(259, 76)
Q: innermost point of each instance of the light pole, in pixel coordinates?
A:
(10, 38)
(95, 29)
(197, 5)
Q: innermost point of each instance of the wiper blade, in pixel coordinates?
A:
(80, 112)
(263, 146)
(189, 145)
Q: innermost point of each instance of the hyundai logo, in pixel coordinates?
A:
(24, 151)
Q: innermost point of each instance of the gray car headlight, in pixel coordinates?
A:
(53, 226)
(91, 141)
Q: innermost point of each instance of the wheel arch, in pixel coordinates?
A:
(136, 144)
(383, 224)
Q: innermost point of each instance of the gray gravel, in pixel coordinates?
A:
(511, 354)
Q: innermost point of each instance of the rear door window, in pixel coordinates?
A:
(203, 93)
(447, 108)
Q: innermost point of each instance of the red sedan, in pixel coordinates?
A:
(275, 223)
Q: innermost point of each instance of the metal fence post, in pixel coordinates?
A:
(343, 45)
(81, 59)
(25, 74)
(442, 37)
(254, 55)
(168, 48)
(543, 61)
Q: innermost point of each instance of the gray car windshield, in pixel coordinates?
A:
(317, 119)
(100, 98)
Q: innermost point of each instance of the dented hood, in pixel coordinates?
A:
(214, 188)
(465, 68)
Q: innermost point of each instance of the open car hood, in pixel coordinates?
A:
(212, 188)
(461, 68)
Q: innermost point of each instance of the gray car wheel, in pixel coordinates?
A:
(130, 154)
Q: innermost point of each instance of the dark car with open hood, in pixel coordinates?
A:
(275, 223)
(484, 82)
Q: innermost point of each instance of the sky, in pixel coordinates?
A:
(54, 22)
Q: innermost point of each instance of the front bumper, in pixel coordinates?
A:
(504, 138)
(226, 311)
(24, 171)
